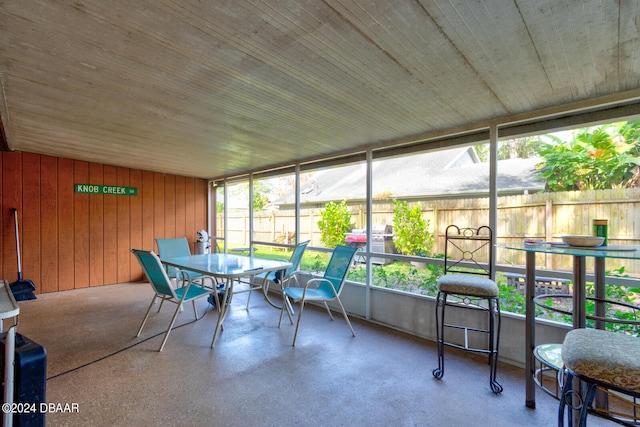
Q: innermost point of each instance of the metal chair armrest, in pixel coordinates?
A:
(316, 281)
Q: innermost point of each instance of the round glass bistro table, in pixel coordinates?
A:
(579, 254)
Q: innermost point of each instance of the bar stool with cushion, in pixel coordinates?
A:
(609, 360)
(468, 284)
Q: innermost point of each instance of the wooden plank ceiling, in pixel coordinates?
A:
(213, 88)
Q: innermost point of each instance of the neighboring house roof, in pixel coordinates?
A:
(441, 173)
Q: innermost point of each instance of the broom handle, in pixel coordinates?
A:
(15, 216)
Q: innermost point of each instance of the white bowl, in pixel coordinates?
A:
(585, 241)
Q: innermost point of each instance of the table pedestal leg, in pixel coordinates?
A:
(601, 399)
(579, 293)
(579, 321)
(600, 293)
(530, 334)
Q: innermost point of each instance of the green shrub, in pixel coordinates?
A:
(334, 224)
(411, 230)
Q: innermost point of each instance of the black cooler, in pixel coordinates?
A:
(30, 378)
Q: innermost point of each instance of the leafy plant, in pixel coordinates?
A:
(335, 222)
(260, 195)
(411, 230)
(429, 285)
(593, 160)
(511, 299)
(401, 276)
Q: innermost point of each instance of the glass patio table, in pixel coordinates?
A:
(579, 255)
(229, 268)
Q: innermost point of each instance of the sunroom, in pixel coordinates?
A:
(247, 119)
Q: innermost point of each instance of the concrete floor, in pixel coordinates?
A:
(254, 377)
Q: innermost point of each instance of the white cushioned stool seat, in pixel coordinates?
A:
(608, 357)
(602, 359)
(466, 284)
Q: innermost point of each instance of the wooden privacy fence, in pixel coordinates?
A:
(545, 216)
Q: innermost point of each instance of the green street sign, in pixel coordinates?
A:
(113, 190)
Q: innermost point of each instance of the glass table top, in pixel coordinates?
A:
(612, 251)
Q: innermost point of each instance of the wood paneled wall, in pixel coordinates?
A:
(70, 240)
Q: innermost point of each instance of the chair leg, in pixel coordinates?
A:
(328, 309)
(494, 343)
(575, 402)
(173, 320)
(441, 301)
(146, 316)
(295, 334)
(284, 299)
(286, 304)
(282, 286)
(195, 313)
(566, 393)
(344, 313)
(588, 398)
(290, 311)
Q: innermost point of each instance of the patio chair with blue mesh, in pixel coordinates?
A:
(162, 286)
(281, 277)
(324, 289)
(177, 247)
